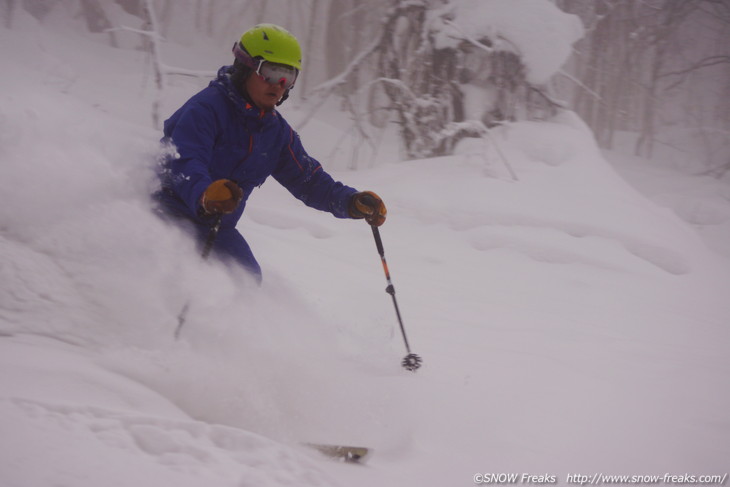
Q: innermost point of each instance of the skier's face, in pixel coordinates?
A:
(264, 95)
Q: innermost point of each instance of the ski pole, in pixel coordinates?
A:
(206, 252)
(411, 361)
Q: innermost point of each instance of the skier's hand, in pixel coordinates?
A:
(221, 197)
(369, 206)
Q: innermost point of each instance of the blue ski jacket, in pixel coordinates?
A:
(216, 134)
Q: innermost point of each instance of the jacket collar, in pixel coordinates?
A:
(223, 82)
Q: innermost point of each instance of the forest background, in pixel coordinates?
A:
(651, 75)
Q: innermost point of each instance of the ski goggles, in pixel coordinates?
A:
(272, 73)
(277, 74)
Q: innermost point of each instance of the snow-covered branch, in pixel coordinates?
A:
(174, 70)
(142, 32)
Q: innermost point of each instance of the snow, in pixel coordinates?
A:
(538, 31)
(568, 323)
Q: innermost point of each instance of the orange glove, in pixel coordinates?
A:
(221, 197)
(368, 205)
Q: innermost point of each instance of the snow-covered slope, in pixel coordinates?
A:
(567, 323)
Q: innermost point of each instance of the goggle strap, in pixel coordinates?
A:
(240, 54)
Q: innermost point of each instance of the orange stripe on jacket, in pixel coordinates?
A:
(291, 151)
(294, 157)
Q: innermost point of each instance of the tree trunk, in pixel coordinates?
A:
(152, 27)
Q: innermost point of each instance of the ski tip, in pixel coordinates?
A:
(348, 454)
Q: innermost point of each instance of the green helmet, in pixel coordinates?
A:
(273, 43)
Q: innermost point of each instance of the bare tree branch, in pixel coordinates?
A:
(703, 63)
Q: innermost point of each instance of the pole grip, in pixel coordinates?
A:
(378, 241)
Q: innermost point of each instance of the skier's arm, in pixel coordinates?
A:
(193, 136)
(305, 178)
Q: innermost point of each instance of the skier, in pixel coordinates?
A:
(229, 138)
